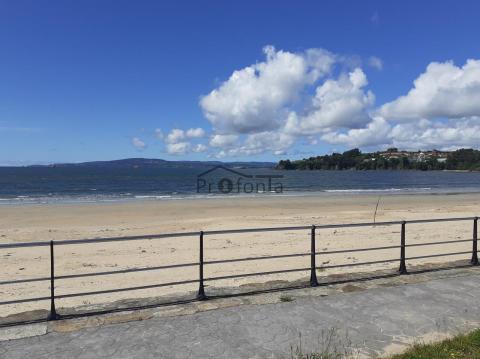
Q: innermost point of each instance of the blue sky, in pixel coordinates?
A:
(93, 80)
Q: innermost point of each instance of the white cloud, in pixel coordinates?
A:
(177, 144)
(253, 99)
(374, 134)
(427, 134)
(179, 148)
(158, 133)
(195, 132)
(138, 143)
(176, 135)
(200, 148)
(341, 103)
(257, 143)
(443, 90)
(276, 142)
(375, 62)
(223, 140)
(419, 135)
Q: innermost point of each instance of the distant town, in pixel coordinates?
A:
(390, 159)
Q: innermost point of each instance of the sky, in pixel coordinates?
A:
(235, 80)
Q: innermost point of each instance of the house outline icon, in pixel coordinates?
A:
(218, 167)
(231, 182)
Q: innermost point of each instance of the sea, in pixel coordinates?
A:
(44, 185)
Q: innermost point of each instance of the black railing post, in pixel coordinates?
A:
(53, 313)
(201, 289)
(474, 260)
(403, 266)
(313, 272)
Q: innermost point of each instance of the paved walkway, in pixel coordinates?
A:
(374, 321)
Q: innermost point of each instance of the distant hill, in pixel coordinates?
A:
(158, 163)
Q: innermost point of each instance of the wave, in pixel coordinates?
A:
(355, 190)
(152, 196)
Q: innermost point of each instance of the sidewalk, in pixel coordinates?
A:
(373, 322)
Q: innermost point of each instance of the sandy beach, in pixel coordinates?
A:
(24, 223)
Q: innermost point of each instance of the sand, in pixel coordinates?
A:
(25, 223)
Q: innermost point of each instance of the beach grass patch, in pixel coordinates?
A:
(464, 346)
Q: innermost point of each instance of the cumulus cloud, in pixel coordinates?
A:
(443, 90)
(341, 103)
(223, 140)
(199, 148)
(178, 141)
(419, 135)
(252, 99)
(374, 134)
(275, 142)
(195, 132)
(179, 148)
(138, 143)
(428, 134)
(176, 135)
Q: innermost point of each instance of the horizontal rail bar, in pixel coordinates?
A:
(107, 291)
(128, 238)
(249, 230)
(227, 231)
(359, 264)
(18, 301)
(257, 273)
(441, 220)
(82, 275)
(24, 244)
(391, 247)
(96, 240)
(28, 280)
(434, 243)
(256, 258)
(439, 255)
(357, 250)
(361, 224)
(122, 271)
(146, 237)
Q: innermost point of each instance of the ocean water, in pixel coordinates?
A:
(80, 184)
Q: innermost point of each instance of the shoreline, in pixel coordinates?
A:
(72, 200)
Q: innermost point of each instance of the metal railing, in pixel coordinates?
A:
(201, 295)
